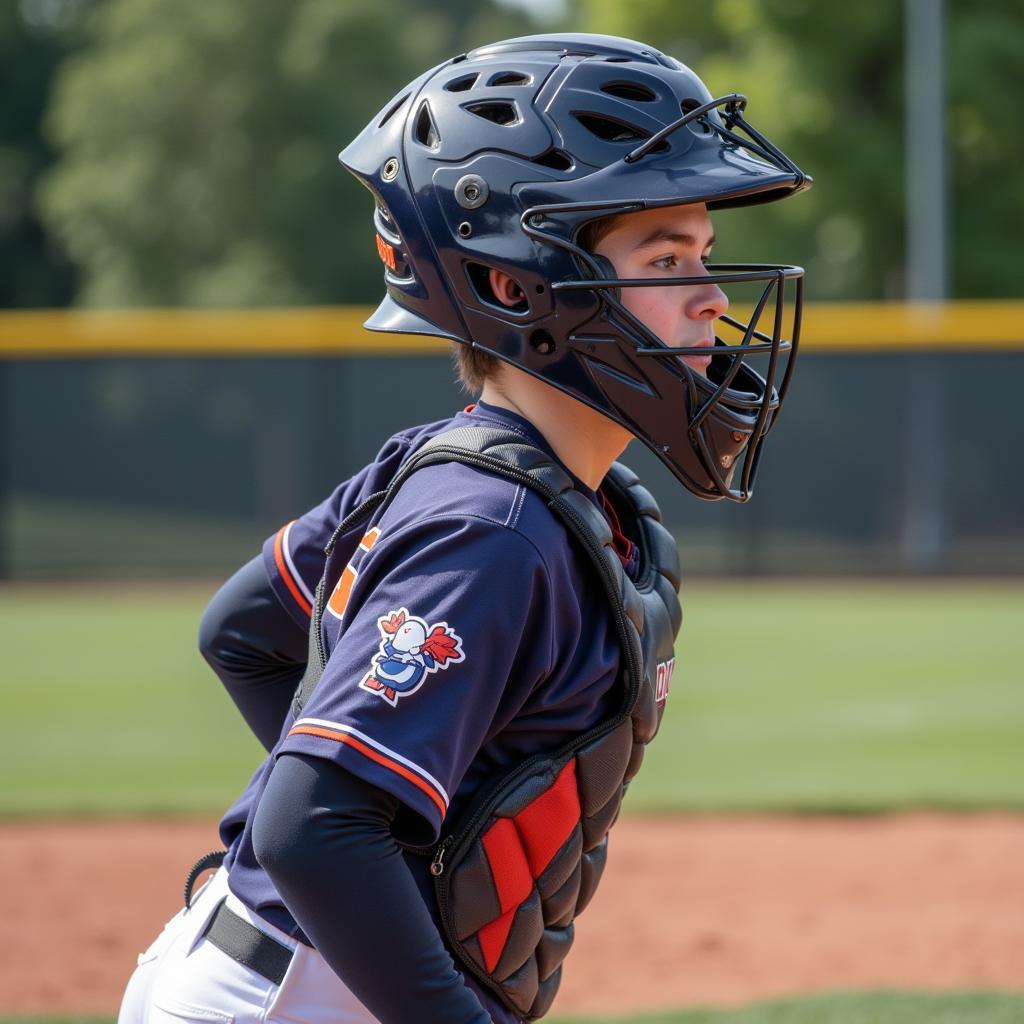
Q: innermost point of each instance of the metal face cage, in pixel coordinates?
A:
(733, 396)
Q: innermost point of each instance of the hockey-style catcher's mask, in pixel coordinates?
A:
(499, 158)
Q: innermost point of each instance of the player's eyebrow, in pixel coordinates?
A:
(661, 235)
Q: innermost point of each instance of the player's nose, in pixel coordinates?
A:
(706, 301)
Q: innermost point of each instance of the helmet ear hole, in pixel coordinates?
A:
(496, 288)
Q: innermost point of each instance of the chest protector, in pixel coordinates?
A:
(524, 858)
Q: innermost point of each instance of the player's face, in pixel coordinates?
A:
(669, 242)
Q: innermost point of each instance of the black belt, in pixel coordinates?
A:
(235, 936)
(245, 943)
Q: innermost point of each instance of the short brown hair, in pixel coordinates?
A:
(476, 367)
(593, 231)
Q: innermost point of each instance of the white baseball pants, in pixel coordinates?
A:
(184, 977)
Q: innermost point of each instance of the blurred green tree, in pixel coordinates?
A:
(986, 84)
(35, 36)
(198, 140)
(199, 144)
(826, 84)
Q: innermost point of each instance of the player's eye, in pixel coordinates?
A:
(666, 263)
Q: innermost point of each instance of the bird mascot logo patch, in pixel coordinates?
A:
(410, 650)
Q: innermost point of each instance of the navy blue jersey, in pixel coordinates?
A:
(462, 631)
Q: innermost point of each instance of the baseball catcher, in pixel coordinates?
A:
(456, 661)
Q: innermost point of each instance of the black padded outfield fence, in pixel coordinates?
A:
(159, 443)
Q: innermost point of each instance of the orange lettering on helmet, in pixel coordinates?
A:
(386, 252)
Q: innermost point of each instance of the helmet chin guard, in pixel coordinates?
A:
(498, 158)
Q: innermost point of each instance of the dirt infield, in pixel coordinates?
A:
(692, 911)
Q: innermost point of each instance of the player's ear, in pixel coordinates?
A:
(506, 289)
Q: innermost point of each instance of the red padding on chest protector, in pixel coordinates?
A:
(513, 881)
(519, 849)
(622, 544)
(511, 872)
(545, 824)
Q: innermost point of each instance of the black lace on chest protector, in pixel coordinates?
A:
(525, 857)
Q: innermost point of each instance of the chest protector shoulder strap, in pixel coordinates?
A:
(525, 857)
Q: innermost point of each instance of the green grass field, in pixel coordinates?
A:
(848, 1008)
(842, 1008)
(845, 696)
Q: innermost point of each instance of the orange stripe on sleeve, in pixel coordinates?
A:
(339, 599)
(282, 569)
(376, 756)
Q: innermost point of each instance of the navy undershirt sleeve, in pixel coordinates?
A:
(256, 648)
(324, 837)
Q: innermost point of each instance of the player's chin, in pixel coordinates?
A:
(699, 364)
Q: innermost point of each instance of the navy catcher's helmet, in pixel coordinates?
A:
(497, 159)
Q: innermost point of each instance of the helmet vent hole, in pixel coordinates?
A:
(510, 78)
(700, 126)
(392, 110)
(632, 91)
(385, 225)
(425, 131)
(499, 111)
(462, 84)
(610, 130)
(556, 159)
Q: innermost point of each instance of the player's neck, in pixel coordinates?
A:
(586, 442)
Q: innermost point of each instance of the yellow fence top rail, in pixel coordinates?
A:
(828, 327)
